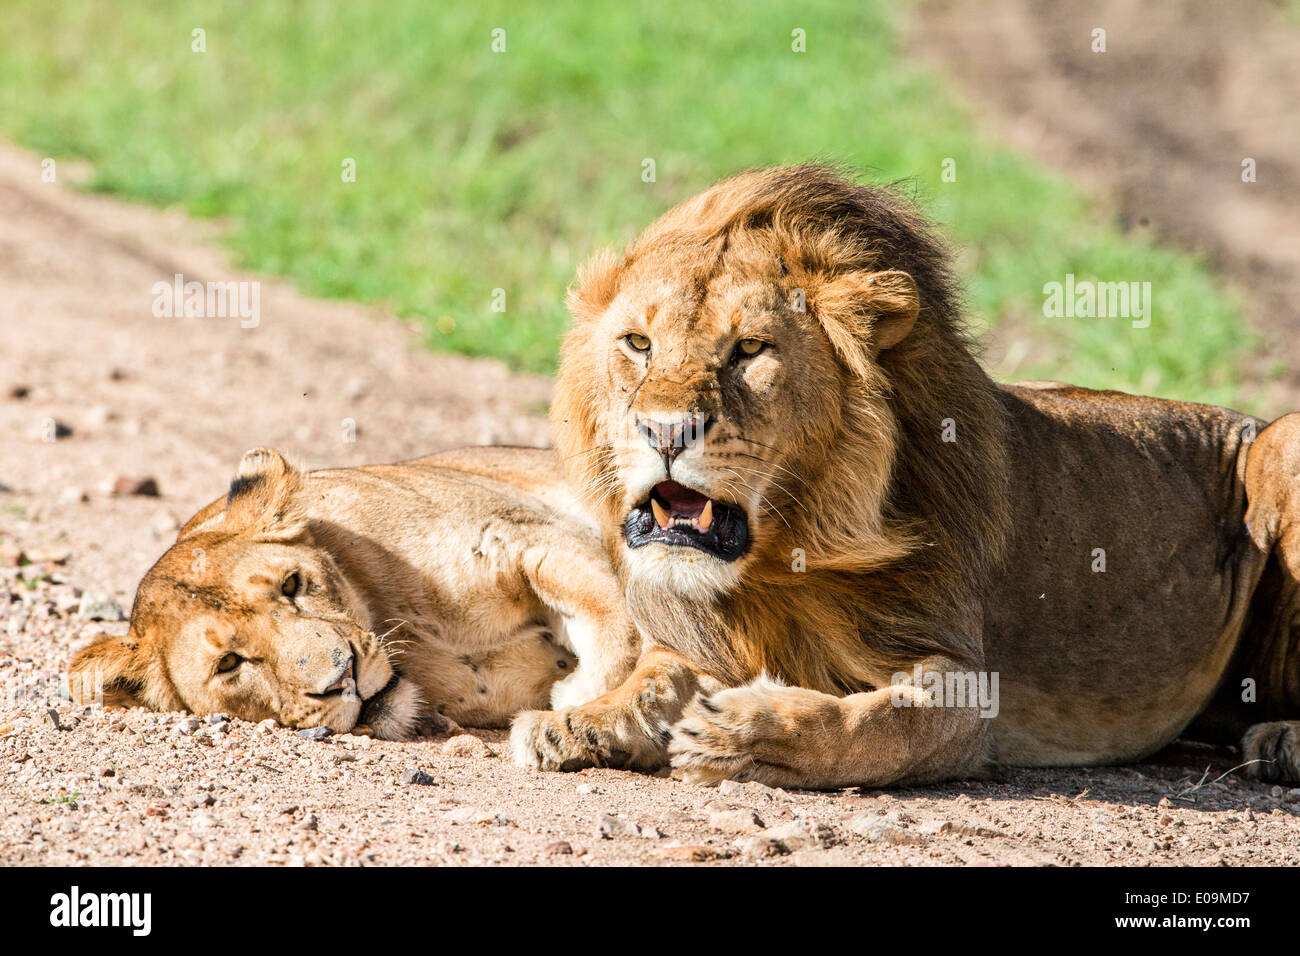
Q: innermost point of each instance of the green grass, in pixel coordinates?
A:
(479, 171)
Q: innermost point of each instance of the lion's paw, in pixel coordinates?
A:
(587, 736)
(763, 731)
(1272, 752)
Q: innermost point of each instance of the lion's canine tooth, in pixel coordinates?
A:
(706, 516)
(661, 516)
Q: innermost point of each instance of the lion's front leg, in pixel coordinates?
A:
(627, 727)
(794, 737)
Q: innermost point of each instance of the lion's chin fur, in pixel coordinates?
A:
(666, 572)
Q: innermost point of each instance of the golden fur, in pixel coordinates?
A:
(378, 599)
(908, 521)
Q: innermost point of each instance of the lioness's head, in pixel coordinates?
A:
(727, 393)
(245, 616)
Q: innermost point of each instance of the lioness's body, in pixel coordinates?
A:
(455, 585)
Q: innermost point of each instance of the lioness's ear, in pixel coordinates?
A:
(113, 666)
(262, 495)
(865, 313)
(263, 463)
(208, 518)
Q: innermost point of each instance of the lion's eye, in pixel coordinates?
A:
(291, 585)
(228, 663)
(748, 348)
(637, 342)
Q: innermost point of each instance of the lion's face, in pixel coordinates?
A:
(245, 616)
(721, 395)
(704, 385)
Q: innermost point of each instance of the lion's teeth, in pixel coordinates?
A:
(661, 516)
(706, 516)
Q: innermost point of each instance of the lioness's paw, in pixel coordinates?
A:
(763, 731)
(579, 737)
(1271, 752)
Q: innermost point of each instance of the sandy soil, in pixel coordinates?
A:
(1159, 125)
(178, 400)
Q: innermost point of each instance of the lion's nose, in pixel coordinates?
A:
(673, 436)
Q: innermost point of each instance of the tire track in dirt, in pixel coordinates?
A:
(1159, 125)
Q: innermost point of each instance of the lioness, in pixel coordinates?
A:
(828, 522)
(374, 600)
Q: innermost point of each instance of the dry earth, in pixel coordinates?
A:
(1158, 125)
(126, 396)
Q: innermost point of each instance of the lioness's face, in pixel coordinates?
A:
(245, 615)
(258, 630)
(718, 391)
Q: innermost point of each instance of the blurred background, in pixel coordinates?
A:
(478, 169)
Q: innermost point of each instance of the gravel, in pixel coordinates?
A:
(131, 787)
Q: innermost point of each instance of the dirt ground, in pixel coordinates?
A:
(126, 396)
(1158, 125)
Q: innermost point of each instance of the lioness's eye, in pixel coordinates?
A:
(228, 663)
(637, 342)
(748, 348)
(291, 585)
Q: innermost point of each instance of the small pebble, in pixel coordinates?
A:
(98, 608)
(689, 854)
(751, 788)
(146, 486)
(466, 745)
(187, 726)
(735, 821)
(802, 836)
(609, 826)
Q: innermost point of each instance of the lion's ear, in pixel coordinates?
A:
(596, 285)
(262, 495)
(865, 313)
(115, 667)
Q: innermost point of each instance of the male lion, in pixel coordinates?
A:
(826, 519)
(374, 599)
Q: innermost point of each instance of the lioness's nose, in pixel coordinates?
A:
(673, 436)
(344, 674)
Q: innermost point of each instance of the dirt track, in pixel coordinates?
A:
(179, 400)
(1158, 125)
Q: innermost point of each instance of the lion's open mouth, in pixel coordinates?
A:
(677, 515)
